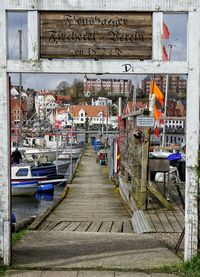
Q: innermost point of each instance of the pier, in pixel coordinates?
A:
(89, 229)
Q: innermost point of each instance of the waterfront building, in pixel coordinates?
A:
(176, 84)
(78, 114)
(110, 86)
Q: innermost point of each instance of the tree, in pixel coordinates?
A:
(63, 88)
(77, 88)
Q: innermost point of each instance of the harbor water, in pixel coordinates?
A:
(24, 207)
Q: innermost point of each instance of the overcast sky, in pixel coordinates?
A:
(177, 25)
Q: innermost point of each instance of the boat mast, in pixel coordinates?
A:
(20, 85)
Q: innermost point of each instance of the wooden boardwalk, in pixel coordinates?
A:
(89, 229)
(93, 204)
(161, 220)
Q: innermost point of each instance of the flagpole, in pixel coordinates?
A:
(165, 110)
(166, 98)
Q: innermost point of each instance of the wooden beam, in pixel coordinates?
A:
(125, 67)
(33, 35)
(115, 5)
(160, 197)
(157, 36)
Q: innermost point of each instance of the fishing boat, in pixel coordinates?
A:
(27, 179)
(32, 154)
(26, 172)
(24, 188)
(71, 151)
(45, 187)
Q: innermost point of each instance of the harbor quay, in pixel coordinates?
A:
(89, 233)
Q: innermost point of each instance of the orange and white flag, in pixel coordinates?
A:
(158, 93)
(157, 113)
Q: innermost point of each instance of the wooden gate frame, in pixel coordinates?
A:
(191, 68)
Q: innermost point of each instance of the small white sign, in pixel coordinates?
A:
(145, 121)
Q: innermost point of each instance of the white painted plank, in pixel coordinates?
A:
(5, 235)
(157, 36)
(100, 66)
(192, 137)
(111, 5)
(33, 35)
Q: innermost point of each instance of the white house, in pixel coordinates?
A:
(44, 104)
(78, 114)
(102, 101)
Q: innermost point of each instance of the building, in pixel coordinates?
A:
(18, 117)
(131, 106)
(45, 104)
(110, 86)
(78, 114)
(63, 100)
(102, 101)
(176, 84)
(175, 122)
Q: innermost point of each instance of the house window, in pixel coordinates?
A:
(82, 114)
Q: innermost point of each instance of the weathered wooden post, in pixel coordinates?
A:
(192, 135)
(5, 201)
(144, 172)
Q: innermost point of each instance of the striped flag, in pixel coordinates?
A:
(166, 32)
(165, 55)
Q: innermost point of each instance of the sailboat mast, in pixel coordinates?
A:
(166, 99)
(20, 84)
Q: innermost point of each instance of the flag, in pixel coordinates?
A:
(157, 113)
(165, 55)
(119, 120)
(166, 32)
(57, 124)
(158, 93)
(156, 132)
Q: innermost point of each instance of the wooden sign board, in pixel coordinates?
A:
(96, 35)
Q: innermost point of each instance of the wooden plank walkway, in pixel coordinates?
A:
(162, 220)
(93, 204)
(90, 229)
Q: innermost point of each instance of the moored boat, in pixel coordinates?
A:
(23, 172)
(71, 151)
(24, 188)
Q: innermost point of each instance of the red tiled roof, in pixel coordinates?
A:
(90, 111)
(130, 105)
(15, 104)
(62, 97)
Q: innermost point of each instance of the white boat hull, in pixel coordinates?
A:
(24, 188)
(32, 154)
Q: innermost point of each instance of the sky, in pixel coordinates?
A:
(177, 25)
